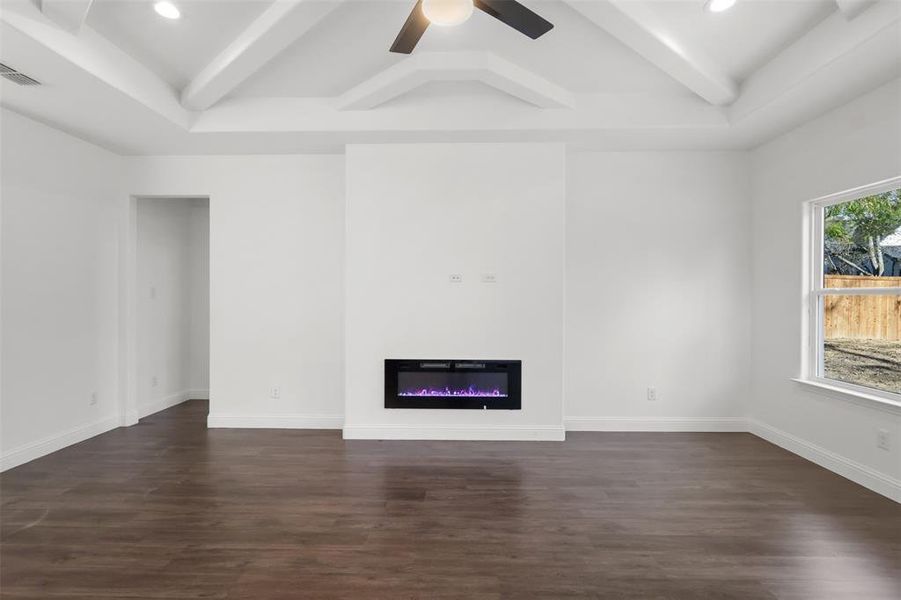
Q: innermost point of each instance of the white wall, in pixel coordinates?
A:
(276, 285)
(59, 289)
(857, 144)
(417, 213)
(172, 302)
(199, 359)
(277, 236)
(657, 290)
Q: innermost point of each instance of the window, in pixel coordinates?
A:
(855, 293)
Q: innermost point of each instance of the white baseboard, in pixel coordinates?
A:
(28, 452)
(418, 432)
(131, 417)
(145, 410)
(878, 482)
(701, 424)
(198, 394)
(275, 421)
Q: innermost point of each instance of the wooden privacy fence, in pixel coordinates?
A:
(862, 317)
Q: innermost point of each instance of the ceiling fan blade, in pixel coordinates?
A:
(517, 16)
(412, 30)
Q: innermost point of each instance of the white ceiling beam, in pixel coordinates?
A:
(852, 8)
(282, 24)
(837, 52)
(618, 113)
(93, 54)
(426, 67)
(641, 29)
(608, 121)
(68, 14)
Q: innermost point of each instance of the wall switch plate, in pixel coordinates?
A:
(652, 394)
(275, 392)
(489, 278)
(154, 381)
(93, 398)
(152, 292)
(455, 278)
(883, 439)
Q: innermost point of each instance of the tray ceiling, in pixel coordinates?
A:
(312, 75)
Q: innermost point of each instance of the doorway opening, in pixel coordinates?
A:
(172, 302)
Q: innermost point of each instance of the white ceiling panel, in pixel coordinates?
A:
(352, 43)
(175, 49)
(745, 37)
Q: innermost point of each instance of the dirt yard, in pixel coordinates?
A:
(871, 363)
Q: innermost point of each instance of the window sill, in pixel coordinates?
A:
(858, 397)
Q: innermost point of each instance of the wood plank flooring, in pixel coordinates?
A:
(169, 509)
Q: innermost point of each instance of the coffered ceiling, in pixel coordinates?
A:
(257, 76)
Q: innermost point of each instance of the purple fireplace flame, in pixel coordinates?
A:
(471, 392)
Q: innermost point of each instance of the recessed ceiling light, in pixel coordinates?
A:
(719, 5)
(167, 10)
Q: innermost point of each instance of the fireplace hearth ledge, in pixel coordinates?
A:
(455, 433)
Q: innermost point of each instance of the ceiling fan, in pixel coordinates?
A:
(454, 12)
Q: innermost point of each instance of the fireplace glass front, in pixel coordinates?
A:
(461, 384)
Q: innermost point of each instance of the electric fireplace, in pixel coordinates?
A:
(445, 383)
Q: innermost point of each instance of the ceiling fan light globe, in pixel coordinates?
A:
(716, 6)
(447, 13)
(166, 9)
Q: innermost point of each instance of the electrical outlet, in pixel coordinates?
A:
(275, 392)
(883, 439)
(456, 278)
(489, 278)
(154, 381)
(652, 394)
(93, 398)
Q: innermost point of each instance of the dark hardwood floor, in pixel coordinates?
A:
(168, 509)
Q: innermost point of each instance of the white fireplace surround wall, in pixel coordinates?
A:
(419, 213)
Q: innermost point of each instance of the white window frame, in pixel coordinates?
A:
(815, 293)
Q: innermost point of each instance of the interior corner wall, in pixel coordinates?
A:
(417, 213)
(657, 290)
(172, 302)
(60, 276)
(857, 144)
(276, 227)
